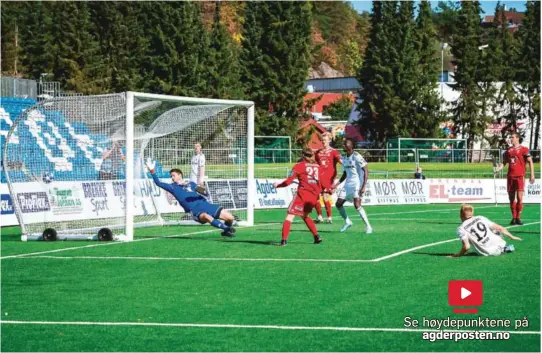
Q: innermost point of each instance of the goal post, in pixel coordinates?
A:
(75, 165)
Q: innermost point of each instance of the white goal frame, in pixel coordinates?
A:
(130, 98)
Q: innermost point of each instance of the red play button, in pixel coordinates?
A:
(465, 293)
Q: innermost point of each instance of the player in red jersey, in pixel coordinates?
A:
(328, 158)
(515, 157)
(308, 173)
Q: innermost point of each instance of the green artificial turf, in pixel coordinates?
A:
(295, 298)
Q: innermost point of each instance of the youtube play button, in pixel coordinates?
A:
(465, 293)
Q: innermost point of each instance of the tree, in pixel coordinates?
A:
(340, 109)
(36, 43)
(469, 111)
(376, 81)
(12, 13)
(446, 20)
(427, 105)
(74, 47)
(192, 46)
(122, 45)
(275, 62)
(223, 63)
(501, 63)
(528, 73)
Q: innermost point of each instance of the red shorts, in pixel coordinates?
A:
(327, 183)
(303, 204)
(515, 183)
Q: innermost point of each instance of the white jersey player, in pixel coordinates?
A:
(355, 173)
(197, 165)
(484, 235)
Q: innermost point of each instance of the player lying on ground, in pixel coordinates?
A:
(192, 198)
(355, 173)
(480, 232)
(327, 158)
(515, 157)
(308, 173)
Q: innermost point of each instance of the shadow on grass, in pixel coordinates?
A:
(442, 253)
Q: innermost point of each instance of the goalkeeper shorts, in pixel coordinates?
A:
(209, 208)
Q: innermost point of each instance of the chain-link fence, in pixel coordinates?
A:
(384, 163)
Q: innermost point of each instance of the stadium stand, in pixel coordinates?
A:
(68, 149)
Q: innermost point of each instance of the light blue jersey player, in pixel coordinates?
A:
(193, 199)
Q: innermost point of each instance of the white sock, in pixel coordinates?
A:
(342, 211)
(363, 216)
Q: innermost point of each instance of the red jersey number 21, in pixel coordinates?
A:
(312, 172)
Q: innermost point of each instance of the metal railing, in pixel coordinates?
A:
(18, 88)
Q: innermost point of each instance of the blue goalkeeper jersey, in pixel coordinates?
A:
(186, 194)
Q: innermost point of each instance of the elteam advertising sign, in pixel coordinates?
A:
(461, 191)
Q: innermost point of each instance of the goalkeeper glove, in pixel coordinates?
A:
(150, 165)
(200, 189)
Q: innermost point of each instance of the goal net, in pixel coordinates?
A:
(74, 164)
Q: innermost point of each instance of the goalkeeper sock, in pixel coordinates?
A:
(310, 223)
(318, 207)
(342, 211)
(217, 224)
(363, 216)
(286, 229)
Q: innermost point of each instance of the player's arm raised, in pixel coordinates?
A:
(151, 165)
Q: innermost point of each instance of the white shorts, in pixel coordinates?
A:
(349, 192)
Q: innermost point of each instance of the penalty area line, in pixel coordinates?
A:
(239, 326)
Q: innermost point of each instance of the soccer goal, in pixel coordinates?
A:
(75, 165)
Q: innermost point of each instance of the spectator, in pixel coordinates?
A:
(418, 174)
(112, 162)
(197, 165)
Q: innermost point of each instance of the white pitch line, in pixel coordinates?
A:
(268, 327)
(433, 244)
(119, 242)
(141, 258)
(426, 211)
(195, 259)
(207, 231)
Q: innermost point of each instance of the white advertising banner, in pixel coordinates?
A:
(477, 191)
(63, 201)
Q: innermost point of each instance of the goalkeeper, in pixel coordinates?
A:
(192, 198)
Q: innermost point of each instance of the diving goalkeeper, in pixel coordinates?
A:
(192, 198)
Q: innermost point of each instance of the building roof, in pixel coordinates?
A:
(325, 100)
(334, 84)
(305, 123)
(512, 16)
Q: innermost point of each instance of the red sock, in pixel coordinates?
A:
(519, 208)
(312, 227)
(513, 209)
(318, 208)
(328, 208)
(286, 229)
